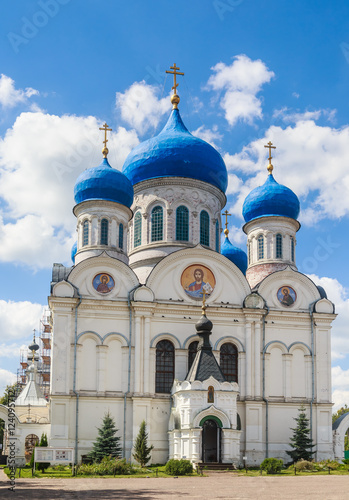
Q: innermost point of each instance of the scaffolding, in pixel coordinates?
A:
(42, 357)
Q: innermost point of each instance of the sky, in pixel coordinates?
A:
(254, 71)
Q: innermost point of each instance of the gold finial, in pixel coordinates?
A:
(270, 166)
(226, 230)
(175, 98)
(105, 150)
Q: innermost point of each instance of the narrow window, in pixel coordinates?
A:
(279, 246)
(292, 249)
(157, 224)
(165, 363)
(182, 224)
(192, 350)
(229, 361)
(260, 247)
(137, 227)
(217, 236)
(85, 233)
(121, 236)
(204, 228)
(104, 232)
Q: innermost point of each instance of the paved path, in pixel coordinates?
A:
(215, 486)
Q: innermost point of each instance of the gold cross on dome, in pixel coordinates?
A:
(270, 147)
(203, 293)
(226, 214)
(105, 150)
(175, 72)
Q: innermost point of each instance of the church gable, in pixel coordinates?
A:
(288, 290)
(183, 275)
(103, 278)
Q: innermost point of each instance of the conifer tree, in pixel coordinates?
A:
(106, 444)
(141, 449)
(42, 466)
(301, 441)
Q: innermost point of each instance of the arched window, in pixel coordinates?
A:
(165, 364)
(260, 247)
(85, 233)
(292, 249)
(217, 236)
(279, 246)
(192, 350)
(204, 228)
(104, 232)
(137, 227)
(229, 361)
(156, 224)
(121, 236)
(182, 223)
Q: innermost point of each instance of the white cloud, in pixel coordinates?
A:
(310, 159)
(240, 83)
(41, 157)
(140, 107)
(340, 384)
(289, 116)
(209, 135)
(6, 378)
(18, 319)
(340, 399)
(12, 350)
(10, 96)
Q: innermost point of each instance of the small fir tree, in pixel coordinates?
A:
(42, 466)
(106, 444)
(301, 441)
(141, 449)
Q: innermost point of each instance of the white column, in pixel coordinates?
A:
(287, 360)
(113, 234)
(95, 233)
(137, 355)
(242, 372)
(248, 359)
(257, 360)
(146, 354)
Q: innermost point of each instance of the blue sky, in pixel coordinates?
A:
(254, 71)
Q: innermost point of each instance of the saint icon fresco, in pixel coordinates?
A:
(196, 279)
(103, 283)
(287, 296)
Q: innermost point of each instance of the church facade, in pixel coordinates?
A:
(129, 334)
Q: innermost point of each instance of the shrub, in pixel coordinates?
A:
(272, 465)
(107, 467)
(328, 464)
(304, 465)
(345, 461)
(178, 467)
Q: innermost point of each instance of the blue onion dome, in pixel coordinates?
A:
(74, 249)
(103, 183)
(234, 254)
(175, 152)
(269, 200)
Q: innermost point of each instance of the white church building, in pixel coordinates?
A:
(131, 336)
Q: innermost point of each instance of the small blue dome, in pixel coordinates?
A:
(103, 183)
(175, 152)
(74, 249)
(234, 254)
(270, 199)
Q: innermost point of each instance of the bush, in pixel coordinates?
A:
(345, 461)
(328, 464)
(272, 465)
(107, 467)
(304, 465)
(178, 467)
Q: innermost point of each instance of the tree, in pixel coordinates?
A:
(106, 444)
(142, 451)
(301, 441)
(42, 466)
(13, 390)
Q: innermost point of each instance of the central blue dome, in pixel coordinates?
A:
(270, 199)
(103, 183)
(175, 152)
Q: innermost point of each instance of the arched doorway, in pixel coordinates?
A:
(211, 441)
(340, 428)
(31, 441)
